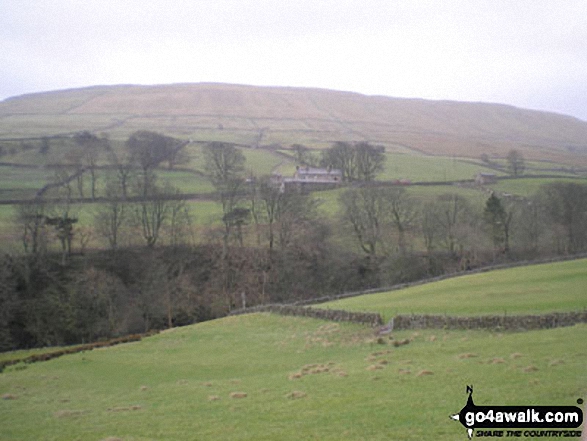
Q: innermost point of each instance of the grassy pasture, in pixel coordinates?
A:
(303, 379)
(263, 162)
(428, 168)
(524, 290)
(22, 183)
(185, 181)
(528, 186)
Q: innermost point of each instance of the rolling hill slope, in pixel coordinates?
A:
(264, 115)
(266, 377)
(533, 289)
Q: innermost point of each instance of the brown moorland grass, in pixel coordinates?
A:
(312, 116)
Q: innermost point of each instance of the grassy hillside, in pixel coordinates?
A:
(265, 377)
(531, 289)
(315, 117)
(303, 379)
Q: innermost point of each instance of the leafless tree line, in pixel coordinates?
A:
(268, 246)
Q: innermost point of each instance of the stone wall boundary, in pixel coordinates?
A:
(403, 322)
(364, 318)
(396, 287)
(515, 323)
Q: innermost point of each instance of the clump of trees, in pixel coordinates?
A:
(359, 161)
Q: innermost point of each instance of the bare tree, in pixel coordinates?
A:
(63, 225)
(265, 198)
(402, 212)
(499, 219)
(92, 148)
(532, 224)
(111, 215)
(515, 161)
(149, 149)
(369, 161)
(454, 212)
(342, 156)
(302, 154)
(124, 169)
(223, 163)
(366, 211)
(32, 219)
(294, 213)
(430, 226)
(566, 207)
(152, 210)
(180, 223)
(359, 161)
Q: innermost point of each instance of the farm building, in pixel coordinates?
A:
(310, 178)
(485, 178)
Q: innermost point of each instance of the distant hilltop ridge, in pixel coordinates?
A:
(256, 115)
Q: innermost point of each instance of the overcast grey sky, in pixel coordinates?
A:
(528, 53)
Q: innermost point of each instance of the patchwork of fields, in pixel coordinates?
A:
(26, 172)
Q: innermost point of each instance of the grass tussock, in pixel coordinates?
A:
(65, 413)
(124, 409)
(316, 369)
(424, 372)
(374, 367)
(296, 394)
(403, 342)
(237, 395)
(467, 355)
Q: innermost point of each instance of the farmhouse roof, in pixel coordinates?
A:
(318, 171)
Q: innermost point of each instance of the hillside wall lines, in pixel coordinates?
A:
(430, 321)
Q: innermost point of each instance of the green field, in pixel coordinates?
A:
(304, 378)
(428, 168)
(528, 186)
(531, 289)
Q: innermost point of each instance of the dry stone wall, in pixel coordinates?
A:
(491, 322)
(428, 321)
(364, 318)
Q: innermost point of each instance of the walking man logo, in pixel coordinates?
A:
(474, 417)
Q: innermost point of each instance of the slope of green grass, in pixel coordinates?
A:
(309, 379)
(303, 379)
(528, 186)
(185, 181)
(524, 290)
(262, 162)
(428, 169)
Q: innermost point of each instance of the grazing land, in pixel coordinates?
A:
(261, 376)
(526, 187)
(531, 289)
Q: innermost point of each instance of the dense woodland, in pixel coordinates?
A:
(155, 269)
